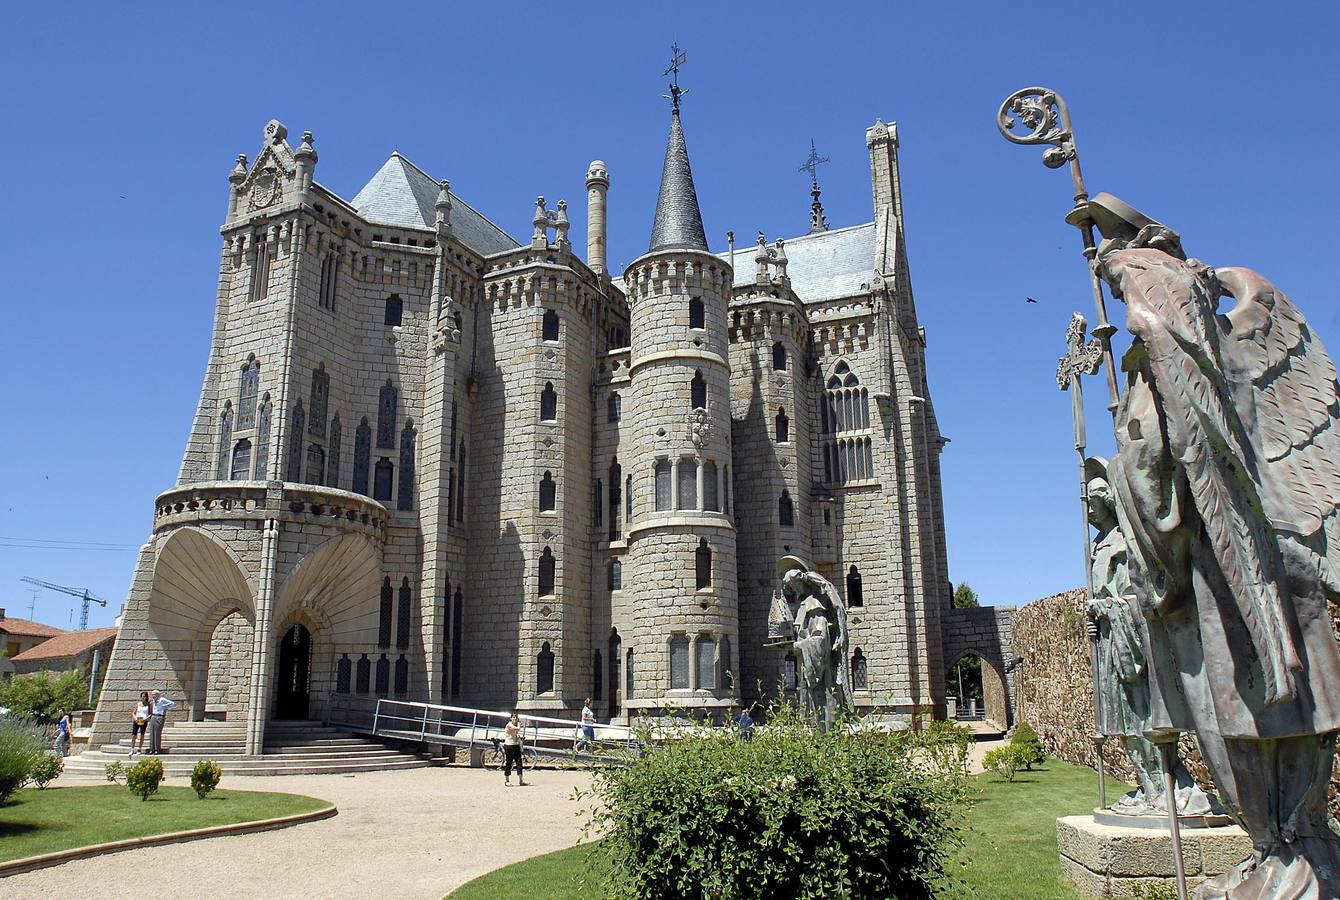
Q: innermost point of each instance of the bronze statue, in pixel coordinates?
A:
(1117, 623)
(1226, 484)
(809, 618)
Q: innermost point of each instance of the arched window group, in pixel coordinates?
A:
(698, 663)
(847, 405)
(848, 459)
(263, 439)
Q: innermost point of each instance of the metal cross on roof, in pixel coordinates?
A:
(677, 58)
(813, 163)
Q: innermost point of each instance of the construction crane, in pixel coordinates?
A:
(82, 593)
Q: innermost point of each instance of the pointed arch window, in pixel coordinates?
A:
(224, 464)
(241, 467)
(342, 674)
(786, 513)
(387, 403)
(405, 497)
(706, 651)
(860, 677)
(546, 572)
(698, 390)
(316, 423)
(364, 669)
(544, 669)
(383, 675)
(402, 675)
(263, 440)
(702, 563)
(548, 403)
(855, 597)
(247, 393)
(362, 456)
(778, 356)
(406, 616)
(333, 460)
(615, 411)
(688, 484)
(395, 310)
(383, 476)
(548, 493)
(384, 614)
(711, 494)
(616, 476)
(679, 662)
(616, 575)
(457, 641)
(316, 464)
(697, 313)
(549, 328)
(782, 427)
(297, 421)
(664, 489)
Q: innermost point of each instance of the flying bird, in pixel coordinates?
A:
(1030, 300)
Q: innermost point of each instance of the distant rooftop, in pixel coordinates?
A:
(822, 266)
(66, 645)
(27, 627)
(402, 194)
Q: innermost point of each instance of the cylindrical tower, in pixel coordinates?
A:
(597, 185)
(681, 541)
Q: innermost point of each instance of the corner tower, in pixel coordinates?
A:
(681, 540)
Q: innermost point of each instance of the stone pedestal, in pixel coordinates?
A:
(1110, 860)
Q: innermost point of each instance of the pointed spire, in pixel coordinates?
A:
(679, 224)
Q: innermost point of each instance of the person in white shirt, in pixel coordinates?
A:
(588, 732)
(139, 725)
(159, 706)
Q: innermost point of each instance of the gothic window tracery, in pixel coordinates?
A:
(320, 399)
(241, 465)
(263, 439)
(387, 403)
(362, 456)
(247, 393)
(847, 448)
(296, 422)
(860, 678)
(615, 411)
(616, 575)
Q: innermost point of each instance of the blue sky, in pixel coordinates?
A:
(122, 122)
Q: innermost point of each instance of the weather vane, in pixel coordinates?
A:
(813, 163)
(677, 58)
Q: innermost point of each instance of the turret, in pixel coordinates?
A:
(597, 186)
(305, 157)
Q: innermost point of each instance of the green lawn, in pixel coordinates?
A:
(35, 822)
(1010, 851)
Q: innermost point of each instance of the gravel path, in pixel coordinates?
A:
(412, 834)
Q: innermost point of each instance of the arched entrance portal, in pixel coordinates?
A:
(293, 695)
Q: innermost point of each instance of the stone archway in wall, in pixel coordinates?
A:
(333, 593)
(983, 682)
(228, 672)
(197, 582)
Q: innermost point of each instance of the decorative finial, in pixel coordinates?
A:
(305, 149)
(817, 221)
(677, 58)
(239, 173)
(561, 224)
(275, 132)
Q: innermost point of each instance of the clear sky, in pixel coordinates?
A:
(122, 122)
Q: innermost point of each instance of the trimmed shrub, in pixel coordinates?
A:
(21, 746)
(1005, 761)
(792, 813)
(144, 777)
(205, 777)
(1026, 738)
(114, 772)
(46, 770)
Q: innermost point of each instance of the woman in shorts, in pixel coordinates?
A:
(140, 722)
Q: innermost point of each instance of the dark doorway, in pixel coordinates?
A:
(295, 664)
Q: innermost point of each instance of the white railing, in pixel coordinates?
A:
(483, 730)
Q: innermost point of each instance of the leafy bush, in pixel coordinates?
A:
(792, 813)
(144, 777)
(46, 770)
(114, 771)
(1154, 890)
(21, 746)
(1007, 760)
(1027, 739)
(39, 695)
(205, 777)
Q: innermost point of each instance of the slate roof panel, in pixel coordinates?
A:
(824, 266)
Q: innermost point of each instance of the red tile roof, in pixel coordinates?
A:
(71, 643)
(25, 627)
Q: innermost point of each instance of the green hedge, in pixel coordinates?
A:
(793, 813)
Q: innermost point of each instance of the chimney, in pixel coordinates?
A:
(597, 184)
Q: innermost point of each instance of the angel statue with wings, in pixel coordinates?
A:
(1226, 484)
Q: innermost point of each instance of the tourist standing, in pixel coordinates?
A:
(512, 751)
(158, 707)
(588, 727)
(62, 745)
(139, 722)
(746, 726)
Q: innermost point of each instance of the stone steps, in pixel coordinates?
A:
(291, 748)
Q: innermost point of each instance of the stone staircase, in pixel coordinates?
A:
(291, 748)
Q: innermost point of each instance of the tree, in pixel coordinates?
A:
(965, 597)
(40, 695)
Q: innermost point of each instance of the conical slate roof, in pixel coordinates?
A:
(679, 224)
